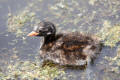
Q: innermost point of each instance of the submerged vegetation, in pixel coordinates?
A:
(114, 62)
(110, 34)
(16, 23)
(32, 71)
(113, 67)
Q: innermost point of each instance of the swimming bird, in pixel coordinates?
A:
(72, 48)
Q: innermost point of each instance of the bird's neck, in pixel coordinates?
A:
(48, 42)
(48, 39)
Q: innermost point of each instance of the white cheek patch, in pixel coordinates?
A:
(40, 28)
(48, 33)
(52, 27)
(41, 43)
(35, 28)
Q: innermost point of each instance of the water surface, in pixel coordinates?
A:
(85, 16)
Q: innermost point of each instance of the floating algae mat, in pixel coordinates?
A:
(110, 34)
(17, 23)
(113, 68)
(32, 71)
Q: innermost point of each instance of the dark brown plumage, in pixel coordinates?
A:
(66, 49)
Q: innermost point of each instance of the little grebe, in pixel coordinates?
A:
(66, 49)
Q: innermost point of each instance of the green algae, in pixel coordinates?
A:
(17, 22)
(113, 66)
(30, 70)
(110, 34)
(92, 2)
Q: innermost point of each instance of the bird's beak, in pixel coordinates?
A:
(33, 33)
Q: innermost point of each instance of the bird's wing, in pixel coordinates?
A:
(74, 45)
(73, 42)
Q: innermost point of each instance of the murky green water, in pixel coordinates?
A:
(71, 15)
